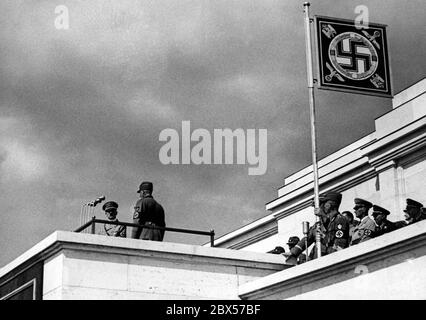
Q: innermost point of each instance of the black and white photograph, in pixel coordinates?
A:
(227, 151)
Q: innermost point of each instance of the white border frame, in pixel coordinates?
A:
(32, 282)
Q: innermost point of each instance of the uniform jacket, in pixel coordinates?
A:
(351, 230)
(400, 224)
(385, 227)
(301, 259)
(363, 231)
(334, 237)
(147, 210)
(113, 230)
(421, 217)
(337, 235)
(403, 223)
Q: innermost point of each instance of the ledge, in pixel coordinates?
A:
(98, 243)
(266, 224)
(322, 274)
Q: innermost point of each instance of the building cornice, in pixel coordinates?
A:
(256, 238)
(260, 224)
(247, 238)
(398, 147)
(339, 186)
(376, 154)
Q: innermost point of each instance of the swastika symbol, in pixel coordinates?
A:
(353, 56)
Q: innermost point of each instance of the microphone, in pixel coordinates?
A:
(88, 210)
(99, 200)
(305, 225)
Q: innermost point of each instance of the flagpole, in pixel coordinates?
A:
(312, 118)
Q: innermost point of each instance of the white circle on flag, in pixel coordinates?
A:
(353, 56)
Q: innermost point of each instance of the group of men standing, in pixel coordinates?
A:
(148, 214)
(341, 230)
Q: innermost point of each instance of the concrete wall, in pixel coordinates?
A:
(400, 281)
(267, 244)
(86, 266)
(388, 267)
(89, 267)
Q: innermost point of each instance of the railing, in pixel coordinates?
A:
(93, 221)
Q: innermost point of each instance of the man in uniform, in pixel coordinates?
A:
(334, 229)
(383, 224)
(148, 212)
(292, 242)
(112, 230)
(414, 212)
(364, 230)
(352, 223)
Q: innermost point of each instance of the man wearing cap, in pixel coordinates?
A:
(337, 236)
(292, 242)
(148, 212)
(334, 229)
(112, 230)
(352, 223)
(366, 227)
(277, 250)
(414, 212)
(297, 249)
(383, 224)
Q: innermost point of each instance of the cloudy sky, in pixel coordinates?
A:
(81, 110)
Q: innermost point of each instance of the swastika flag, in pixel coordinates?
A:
(352, 59)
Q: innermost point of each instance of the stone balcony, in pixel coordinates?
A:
(68, 265)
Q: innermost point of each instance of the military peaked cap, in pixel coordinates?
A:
(377, 210)
(413, 204)
(363, 202)
(146, 185)
(332, 196)
(109, 205)
(293, 240)
(277, 250)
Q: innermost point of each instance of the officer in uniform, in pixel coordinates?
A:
(148, 212)
(366, 227)
(334, 229)
(383, 224)
(112, 230)
(414, 212)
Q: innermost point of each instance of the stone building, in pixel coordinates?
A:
(384, 167)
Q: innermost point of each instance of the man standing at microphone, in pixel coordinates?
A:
(148, 212)
(112, 230)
